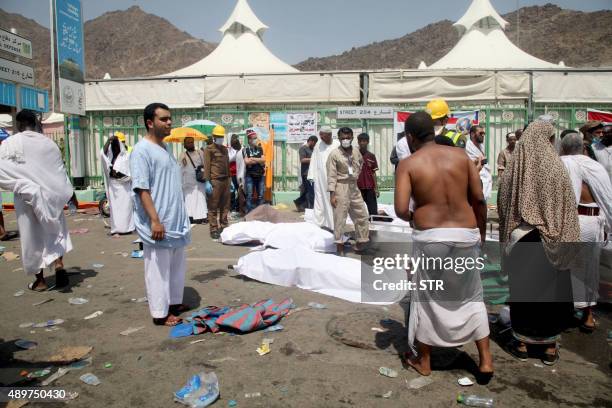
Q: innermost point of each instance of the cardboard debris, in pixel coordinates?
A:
(70, 354)
(10, 256)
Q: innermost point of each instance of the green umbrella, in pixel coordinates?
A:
(202, 125)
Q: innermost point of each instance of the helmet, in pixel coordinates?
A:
(437, 108)
(120, 136)
(218, 131)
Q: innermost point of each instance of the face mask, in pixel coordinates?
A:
(252, 142)
(346, 143)
(438, 130)
(219, 141)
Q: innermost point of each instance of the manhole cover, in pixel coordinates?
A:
(369, 330)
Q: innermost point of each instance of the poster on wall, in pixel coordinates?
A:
(260, 120)
(300, 126)
(278, 120)
(70, 56)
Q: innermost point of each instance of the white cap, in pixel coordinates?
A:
(325, 129)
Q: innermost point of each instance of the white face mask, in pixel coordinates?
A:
(346, 143)
(438, 130)
(219, 141)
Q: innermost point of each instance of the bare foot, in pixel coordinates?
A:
(168, 321)
(417, 365)
(39, 285)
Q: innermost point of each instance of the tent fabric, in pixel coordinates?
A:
(198, 92)
(459, 85)
(564, 86)
(138, 93)
(482, 29)
(482, 14)
(240, 51)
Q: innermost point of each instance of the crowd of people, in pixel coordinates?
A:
(547, 196)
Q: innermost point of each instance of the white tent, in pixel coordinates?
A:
(482, 31)
(241, 50)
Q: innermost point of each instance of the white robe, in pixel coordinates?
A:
(31, 167)
(456, 315)
(317, 172)
(585, 277)
(193, 190)
(118, 191)
(604, 157)
(475, 152)
(402, 149)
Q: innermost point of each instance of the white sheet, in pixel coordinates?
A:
(282, 235)
(327, 274)
(475, 152)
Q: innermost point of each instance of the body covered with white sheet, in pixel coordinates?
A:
(118, 185)
(31, 167)
(456, 314)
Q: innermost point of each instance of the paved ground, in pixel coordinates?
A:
(308, 365)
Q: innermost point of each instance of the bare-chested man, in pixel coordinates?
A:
(449, 219)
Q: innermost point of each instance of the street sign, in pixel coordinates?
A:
(15, 44)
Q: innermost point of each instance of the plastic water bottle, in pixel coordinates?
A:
(474, 401)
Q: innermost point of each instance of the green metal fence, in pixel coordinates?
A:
(498, 120)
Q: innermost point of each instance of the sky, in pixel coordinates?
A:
(301, 28)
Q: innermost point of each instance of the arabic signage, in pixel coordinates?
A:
(70, 56)
(365, 112)
(300, 126)
(14, 44)
(15, 72)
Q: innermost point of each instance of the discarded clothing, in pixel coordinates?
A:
(244, 319)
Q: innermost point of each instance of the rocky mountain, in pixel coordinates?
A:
(548, 32)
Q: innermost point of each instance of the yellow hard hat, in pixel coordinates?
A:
(437, 108)
(218, 131)
(120, 136)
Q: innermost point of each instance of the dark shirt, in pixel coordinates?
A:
(366, 179)
(254, 170)
(305, 152)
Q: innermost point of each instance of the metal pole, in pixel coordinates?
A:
(52, 36)
(518, 25)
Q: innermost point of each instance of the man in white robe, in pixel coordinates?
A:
(475, 150)
(593, 191)
(455, 314)
(317, 173)
(31, 167)
(193, 190)
(603, 150)
(116, 168)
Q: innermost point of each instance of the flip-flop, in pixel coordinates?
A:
(164, 321)
(31, 287)
(551, 359)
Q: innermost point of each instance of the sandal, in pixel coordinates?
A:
(513, 348)
(36, 288)
(551, 359)
(484, 378)
(168, 321)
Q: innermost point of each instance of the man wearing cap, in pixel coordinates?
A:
(475, 151)
(603, 149)
(439, 111)
(255, 170)
(317, 173)
(592, 132)
(217, 175)
(505, 155)
(116, 168)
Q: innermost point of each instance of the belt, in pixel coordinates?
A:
(346, 181)
(592, 211)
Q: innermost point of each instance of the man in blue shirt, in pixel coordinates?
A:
(160, 217)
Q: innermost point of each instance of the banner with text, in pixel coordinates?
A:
(15, 72)
(365, 112)
(15, 44)
(70, 56)
(300, 126)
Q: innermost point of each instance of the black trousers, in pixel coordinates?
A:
(369, 196)
(234, 198)
(306, 198)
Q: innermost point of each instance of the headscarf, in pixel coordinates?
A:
(536, 189)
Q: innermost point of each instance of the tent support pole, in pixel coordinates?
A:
(530, 106)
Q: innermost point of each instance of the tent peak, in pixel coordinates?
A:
(243, 18)
(481, 14)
